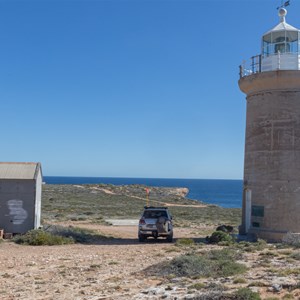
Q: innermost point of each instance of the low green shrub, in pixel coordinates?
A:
(185, 242)
(38, 237)
(58, 235)
(224, 254)
(197, 286)
(245, 294)
(288, 272)
(219, 236)
(295, 286)
(79, 235)
(288, 296)
(257, 283)
(216, 287)
(295, 255)
(216, 263)
(259, 245)
(239, 280)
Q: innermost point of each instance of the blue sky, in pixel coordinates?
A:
(129, 88)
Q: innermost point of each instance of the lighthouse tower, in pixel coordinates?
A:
(271, 198)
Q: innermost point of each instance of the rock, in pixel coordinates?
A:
(154, 291)
(276, 287)
(175, 280)
(283, 281)
(166, 296)
(254, 289)
(223, 280)
(225, 228)
(212, 295)
(189, 297)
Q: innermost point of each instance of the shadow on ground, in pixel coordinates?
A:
(133, 241)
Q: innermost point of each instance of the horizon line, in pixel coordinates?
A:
(172, 178)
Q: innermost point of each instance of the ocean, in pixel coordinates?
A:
(225, 193)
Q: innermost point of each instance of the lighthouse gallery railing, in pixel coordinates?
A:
(273, 62)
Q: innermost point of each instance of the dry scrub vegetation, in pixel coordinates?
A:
(96, 203)
(99, 261)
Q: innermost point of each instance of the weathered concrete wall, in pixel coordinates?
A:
(272, 152)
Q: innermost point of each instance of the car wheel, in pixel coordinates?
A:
(170, 238)
(142, 238)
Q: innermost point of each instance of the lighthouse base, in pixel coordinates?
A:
(267, 235)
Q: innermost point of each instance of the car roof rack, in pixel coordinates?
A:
(155, 207)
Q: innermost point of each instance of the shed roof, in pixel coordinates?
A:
(19, 170)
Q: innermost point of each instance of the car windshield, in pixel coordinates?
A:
(152, 214)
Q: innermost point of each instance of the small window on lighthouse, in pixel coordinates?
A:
(257, 211)
(292, 39)
(281, 45)
(255, 224)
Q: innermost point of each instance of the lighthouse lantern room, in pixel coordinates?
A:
(280, 49)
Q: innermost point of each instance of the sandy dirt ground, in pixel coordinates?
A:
(114, 269)
(110, 270)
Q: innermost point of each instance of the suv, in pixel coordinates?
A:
(155, 222)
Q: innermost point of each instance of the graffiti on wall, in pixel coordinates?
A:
(16, 211)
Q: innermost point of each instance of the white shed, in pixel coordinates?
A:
(20, 196)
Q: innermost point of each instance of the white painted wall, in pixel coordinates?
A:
(38, 200)
(284, 61)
